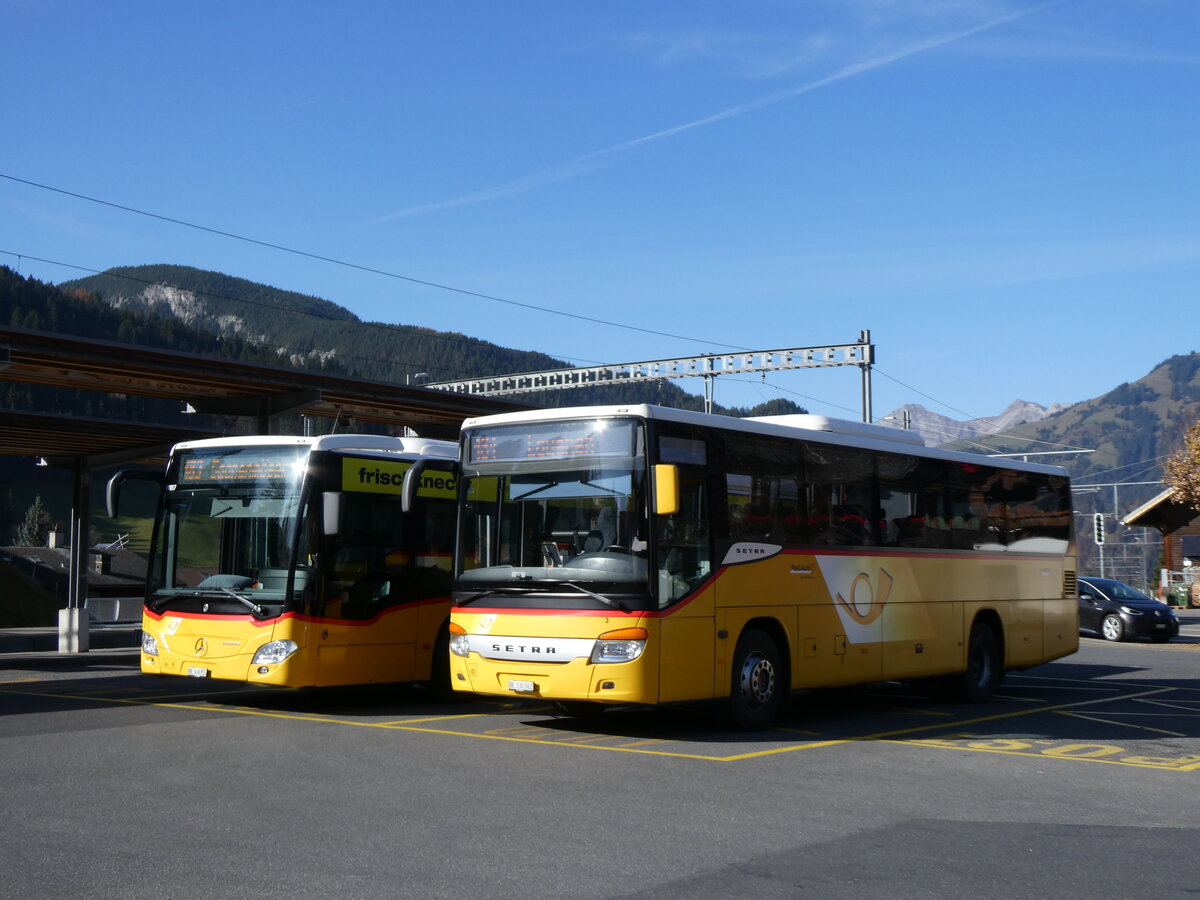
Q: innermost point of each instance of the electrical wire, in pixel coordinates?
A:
(406, 329)
(361, 268)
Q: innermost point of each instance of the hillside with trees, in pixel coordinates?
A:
(1131, 432)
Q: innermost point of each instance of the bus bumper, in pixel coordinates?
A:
(579, 679)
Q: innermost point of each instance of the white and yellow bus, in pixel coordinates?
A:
(300, 561)
(614, 555)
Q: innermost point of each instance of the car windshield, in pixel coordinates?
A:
(1117, 590)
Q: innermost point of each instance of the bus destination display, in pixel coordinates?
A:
(238, 467)
(557, 440)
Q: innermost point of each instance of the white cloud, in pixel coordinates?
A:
(590, 161)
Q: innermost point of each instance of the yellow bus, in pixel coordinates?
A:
(641, 555)
(300, 561)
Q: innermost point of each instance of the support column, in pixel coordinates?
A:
(74, 621)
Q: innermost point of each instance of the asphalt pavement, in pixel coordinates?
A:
(1079, 781)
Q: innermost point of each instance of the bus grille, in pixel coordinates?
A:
(1068, 584)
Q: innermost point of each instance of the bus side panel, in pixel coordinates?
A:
(841, 621)
(922, 622)
(1061, 630)
(380, 651)
(1023, 632)
(687, 638)
(762, 590)
(430, 619)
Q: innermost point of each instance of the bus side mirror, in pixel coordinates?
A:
(415, 474)
(331, 512)
(112, 494)
(666, 489)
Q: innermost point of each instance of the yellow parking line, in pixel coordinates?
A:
(641, 746)
(423, 719)
(886, 735)
(1103, 721)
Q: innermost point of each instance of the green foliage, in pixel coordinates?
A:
(32, 530)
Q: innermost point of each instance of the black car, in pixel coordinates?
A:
(1117, 612)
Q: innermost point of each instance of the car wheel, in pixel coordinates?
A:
(1112, 628)
(757, 688)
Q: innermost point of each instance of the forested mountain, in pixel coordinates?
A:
(306, 331)
(1129, 431)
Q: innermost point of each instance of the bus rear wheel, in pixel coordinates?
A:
(985, 667)
(757, 688)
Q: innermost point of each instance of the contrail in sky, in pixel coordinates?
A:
(593, 160)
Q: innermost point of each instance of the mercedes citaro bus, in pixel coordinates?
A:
(300, 561)
(616, 555)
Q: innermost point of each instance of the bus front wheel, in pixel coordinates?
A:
(580, 709)
(757, 688)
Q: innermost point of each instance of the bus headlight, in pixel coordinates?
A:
(460, 644)
(622, 645)
(273, 652)
(149, 644)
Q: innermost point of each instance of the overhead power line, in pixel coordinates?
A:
(361, 268)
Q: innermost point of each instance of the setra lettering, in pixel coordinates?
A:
(530, 649)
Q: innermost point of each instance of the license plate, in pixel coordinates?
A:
(1160, 624)
(522, 687)
(196, 672)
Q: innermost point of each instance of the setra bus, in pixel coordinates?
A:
(300, 561)
(646, 555)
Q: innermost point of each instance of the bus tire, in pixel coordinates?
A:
(580, 709)
(985, 665)
(757, 684)
(440, 685)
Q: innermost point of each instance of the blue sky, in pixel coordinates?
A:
(1005, 193)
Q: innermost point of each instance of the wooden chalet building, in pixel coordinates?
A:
(1179, 525)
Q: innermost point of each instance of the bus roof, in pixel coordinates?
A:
(413, 446)
(821, 429)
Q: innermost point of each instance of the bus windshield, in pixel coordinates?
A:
(228, 524)
(562, 513)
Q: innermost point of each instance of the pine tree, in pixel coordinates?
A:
(30, 533)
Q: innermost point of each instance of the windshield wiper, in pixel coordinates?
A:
(246, 601)
(161, 602)
(607, 601)
(471, 598)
